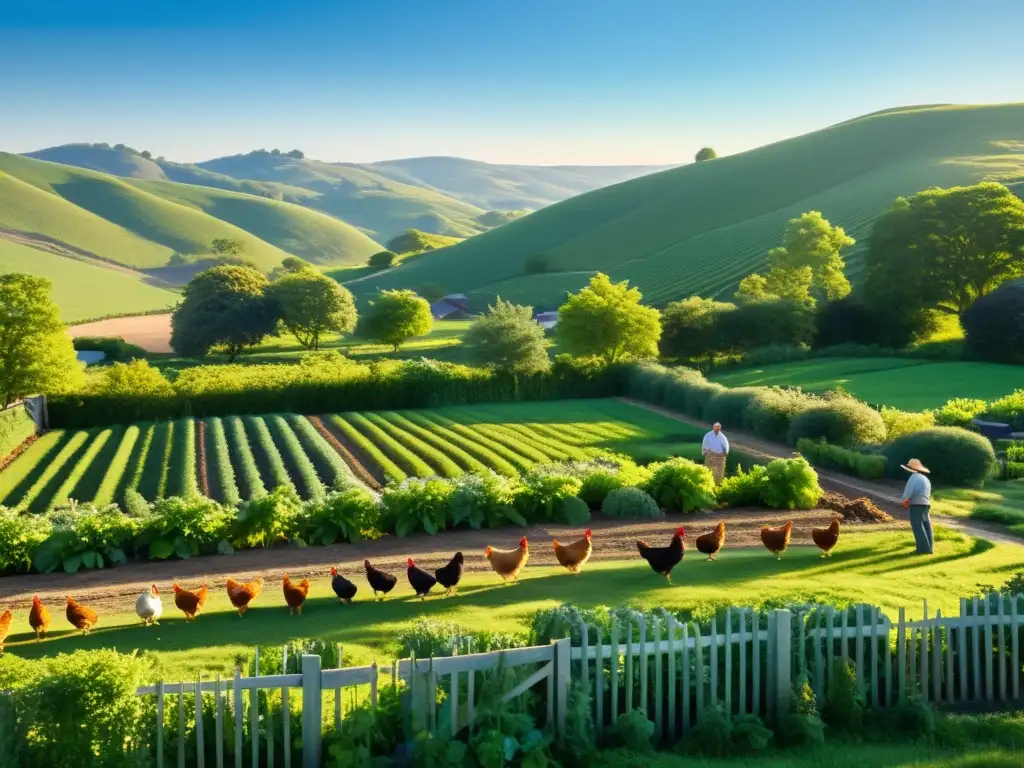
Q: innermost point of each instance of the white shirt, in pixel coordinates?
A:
(718, 443)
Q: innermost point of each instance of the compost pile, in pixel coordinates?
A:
(861, 510)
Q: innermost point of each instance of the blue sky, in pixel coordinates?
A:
(531, 81)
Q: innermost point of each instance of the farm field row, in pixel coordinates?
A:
(908, 383)
(242, 457)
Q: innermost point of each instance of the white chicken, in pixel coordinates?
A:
(149, 607)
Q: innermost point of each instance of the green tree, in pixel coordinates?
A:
(297, 154)
(537, 264)
(382, 260)
(135, 379)
(944, 248)
(705, 153)
(394, 317)
(36, 353)
(689, 327)
(223, 306)
(507, 339)
(290, 265)
(310, 304)
(226, 247)
(606, 319)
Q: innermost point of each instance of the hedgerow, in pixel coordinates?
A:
(16, 426)
(867, 466)
(250, 483)
(297, 462)
(954, 456)
(219, 469)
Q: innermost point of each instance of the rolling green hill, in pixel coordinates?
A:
(702, 227)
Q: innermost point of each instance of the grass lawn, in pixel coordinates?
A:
(998, 502)
(875, 568)
(907, 383)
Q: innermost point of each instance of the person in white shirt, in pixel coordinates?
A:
(917, 498)
(715, 449)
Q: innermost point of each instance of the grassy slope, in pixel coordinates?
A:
(700, 228)
(118, 162)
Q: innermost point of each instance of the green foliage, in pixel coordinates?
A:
(416, 504)
(1014, 470)
(543, 496)
(220, 472)
(764, 323)
(607, 320)
(913, 717)
(341, 515)
(186, 527)
(743, 489)
(437, 751)
(680, 485)
(838, 420)
(705, 153)
(811, 243)
(716, 734)
(631, 503)
(1008, 409)
(844, 706)
(507, 339)
(537, 264)
(250, 482)
(20, 537)
(484, 498)
(415, 240)
(690, 328)
(428, 638)
(790, 484)
(263, 443)
(382, 260)
(899, 423)
(223, 246)
(955, 456)
(634, 731)
(394, 317)
(16, 426)
(85, 537)
(959, 412)
(264, 521)
(802, 726)
(299, 464)
(130, 381)
(994, 325)
(601, 476)
(770, 411)
(728, 405)
(36, 354)
(310, 305)
(852, 462)
(115, 349)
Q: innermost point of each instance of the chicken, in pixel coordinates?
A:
(5, 626)
(826, 538)
(573, 556)
(241, 594)
(294, 594)
(776, 540)
(379, 580)
(188, 602)
(507, 563)
(39, 618)
(711, 543)
(450, 575)
(420, 581)
(343, 588)
(80, 616)
(149, 607)
(663, 559)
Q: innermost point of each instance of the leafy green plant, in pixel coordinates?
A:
(484, 498)
(743, 489)
(219, 469)
(259, 433)
(959, 412)
(268, 519)
(85, 537)
(802, 726)
(680, 485)
(341, 515)
(1015, 451)
(717, 734)
(790, 484)
(1008, 409)
(602, 475)
(844, 707)
(20, 537)
(631, 503)
(542, 494)
(185, 527)
(899, 423)
(432, 750)
(417, 504)
(634, 731)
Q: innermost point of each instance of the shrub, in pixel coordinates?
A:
(185, 527)
(268, 519)
(114, 348)
(729, 405)
(790, 484)
(959, 412)
(844, 707)
(954, 456)
(689, 327)
(743, 489)
(20, 537)
(16, 426)
(434, 637)
(601, 476)
(899, 423)
(1008, 409)
(86, 537)
(630, 503)
(634, 731)
(382, 260)
(867, 466)
(840, 421)
(1014, 470)
(803, 726)
(416, 504)
(994, 324)
(484, 498)
(1015, 451)
(680, 485)
(542, 494)
(340, 515)
(771, 410)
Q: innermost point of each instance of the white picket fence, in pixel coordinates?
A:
(746, 663)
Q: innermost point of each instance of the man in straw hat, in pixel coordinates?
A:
(715, 449)
(917, 497)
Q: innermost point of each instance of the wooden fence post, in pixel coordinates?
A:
(312, 716)
(563, 676)
(780, 648)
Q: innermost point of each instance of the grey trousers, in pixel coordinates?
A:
(921, 524)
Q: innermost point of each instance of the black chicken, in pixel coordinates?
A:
(379, 581)
(343, 588)
(421, 581)
(663, 559)
(450, 575)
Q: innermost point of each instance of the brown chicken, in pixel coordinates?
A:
(776, 540)
(507, 563)
(241, 594)
(711, 543)
(826, 538)
(5, 626)
(294, 594)
(39, 617)
(188, 602)
(80, 616)
(573, 556)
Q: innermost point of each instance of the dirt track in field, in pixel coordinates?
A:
(111, 590)
(151, 332)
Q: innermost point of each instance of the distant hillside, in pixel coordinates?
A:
(702, 227)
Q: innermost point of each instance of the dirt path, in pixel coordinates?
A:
(109, 590)
(151, 332)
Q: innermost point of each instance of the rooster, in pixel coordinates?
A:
(573, 556)
(343, 588)
(420, 581)
(776, 540)
(39, 617)
(826, 538)
(188, 602)
(663, 559)
(5, 626)
(294, 594)
(149, 607)
(241, 594)
(450, 575)
(507, 563)
(81, 617)
(711, 543)
(379, 580)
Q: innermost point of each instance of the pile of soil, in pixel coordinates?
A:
(862, 510)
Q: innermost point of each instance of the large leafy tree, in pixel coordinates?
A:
(689, 327)
(607, 320)
(395, 317)
(36, 353)
(223, 306)
(310, 304)
(810, 242)
(944, 248)
(507, 339)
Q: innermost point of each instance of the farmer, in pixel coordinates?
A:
(917, 497)
(715, 448)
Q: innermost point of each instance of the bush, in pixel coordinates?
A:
(434, 637)
(729, 405)
(1015, 451)
(630, 503)
(1008, 410)
(382, 260)
(680, 485)
(268, 519)
(115, 349)
(899, 423)
(1014, 470)
(840, 421)
(20, 537)
(803, 726)
(690, 327)
(416, 504)
(790, 484)
(954, 456)
(601, 476)
(185, 527)
(16, 426)
(867, 466)
(86, 537)
(844, 707)
(341, 515)
(485, 498)
(743, 489)
(634, 731)
(543, 492)
(959, 412)
(994, 325)
(771, 411)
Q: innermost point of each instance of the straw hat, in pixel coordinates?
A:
(915, 465)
